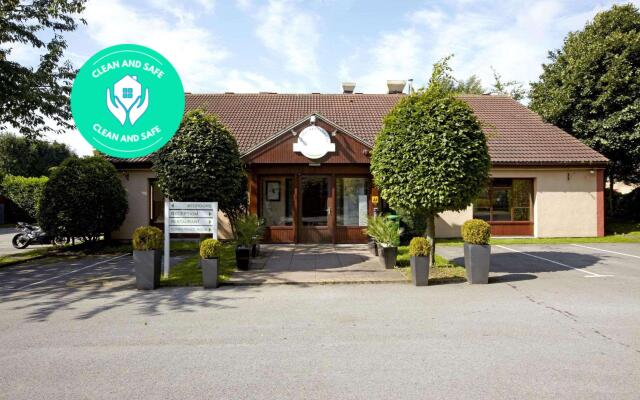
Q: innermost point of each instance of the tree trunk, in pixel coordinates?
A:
(611, 200)
(430, 233)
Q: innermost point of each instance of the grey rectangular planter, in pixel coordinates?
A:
(477, 260)
(147, 269)
(209, 272)
(419, 270)
(387, 256)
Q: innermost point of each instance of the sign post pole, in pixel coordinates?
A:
(167, 239)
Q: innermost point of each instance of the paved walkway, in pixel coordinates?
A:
(313, 264)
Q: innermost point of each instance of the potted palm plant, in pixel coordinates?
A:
(248, 230)
(147, 246)
(419, 250)
(210, 252)
(386, 233)
(477, 251)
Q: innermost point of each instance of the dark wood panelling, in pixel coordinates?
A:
(315, 234)
(350, 234)
(279, 234)
(511, 228)
(280, 151)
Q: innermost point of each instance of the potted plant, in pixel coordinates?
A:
(386, 233)
(210, 252)
(147, 246)
(247, 229)
(477, 251)
(419, 250)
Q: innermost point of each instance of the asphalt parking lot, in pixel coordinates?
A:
(556, 321)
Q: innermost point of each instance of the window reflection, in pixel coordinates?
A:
(277, 197)
(505, 200)
(352, 201)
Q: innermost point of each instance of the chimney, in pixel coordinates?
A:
(395, 87)
(348, 87)
(410, 87)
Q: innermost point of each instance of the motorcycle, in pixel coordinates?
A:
(33, 234)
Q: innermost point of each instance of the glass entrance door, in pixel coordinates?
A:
(314, 209)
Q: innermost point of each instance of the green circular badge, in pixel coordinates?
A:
(127, 101)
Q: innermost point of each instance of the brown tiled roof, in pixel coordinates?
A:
(517, 135)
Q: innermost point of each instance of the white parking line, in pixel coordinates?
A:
(68, 273)
(607, 251)
(589, 274)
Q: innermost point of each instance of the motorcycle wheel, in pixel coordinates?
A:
(20, 241)
(60, 240)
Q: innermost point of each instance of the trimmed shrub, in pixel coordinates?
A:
(147, 238)
(210, 248)
(476, 231)
(83, 198)
(419, 247)
(25, 192)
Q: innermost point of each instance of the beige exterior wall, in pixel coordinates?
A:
(565, 203)
(136, 184)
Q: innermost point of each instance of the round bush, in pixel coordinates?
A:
(83, 198)
(476, 231)
(147, 238)
(419, 247)
(210, 248)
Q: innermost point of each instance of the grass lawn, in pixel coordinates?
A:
(617, 232)
(187, 272)
(22, 257)
(443, 272)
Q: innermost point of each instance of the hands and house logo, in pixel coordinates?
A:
(127, 100)
(144, 101)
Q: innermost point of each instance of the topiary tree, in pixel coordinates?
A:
(591, 89)
(431, 155)
(24, 192)
(83, 198)
(202, 163)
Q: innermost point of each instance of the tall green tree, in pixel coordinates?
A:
(31, 95)
(202, 163)
(510, 88)
(23, 157)
(591, 89)
(431, 155)
(471, 85)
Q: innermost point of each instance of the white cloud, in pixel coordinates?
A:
(512, 36)
(290, 33)
(194, 51)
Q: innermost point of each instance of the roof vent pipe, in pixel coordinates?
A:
(348, 87)
(395, 87)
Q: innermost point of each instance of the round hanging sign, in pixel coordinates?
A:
(127, 101)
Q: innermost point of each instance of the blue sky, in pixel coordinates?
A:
(312, 46)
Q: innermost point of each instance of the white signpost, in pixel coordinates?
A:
(188, 217)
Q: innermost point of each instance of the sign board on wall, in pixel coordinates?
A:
(188, 217)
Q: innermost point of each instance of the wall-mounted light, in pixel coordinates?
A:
(592, 172)
(334, 133)
(312, 120)
(293, 132)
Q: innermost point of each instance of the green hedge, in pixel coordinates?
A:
(25, 192)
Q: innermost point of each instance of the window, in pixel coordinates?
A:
(505, 200)
(277, 196)
(127, 93)
(156, 213)
(352, 201)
